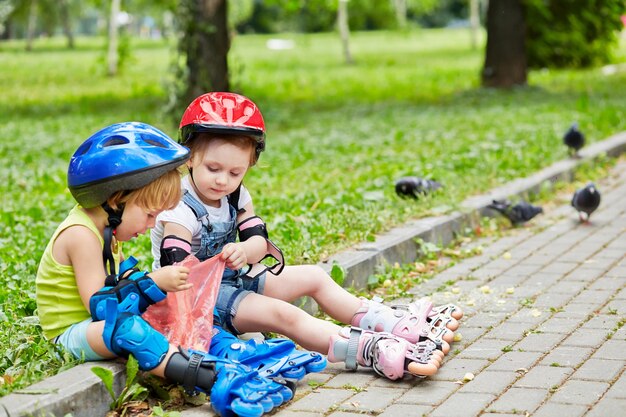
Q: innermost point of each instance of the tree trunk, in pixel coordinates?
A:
(205, 45)
(112, 57)
(32, 25)
(505, 57)
(474, 22)
(400, 8)
(344, 29)
(65, 21)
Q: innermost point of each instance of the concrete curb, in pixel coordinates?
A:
(77, 391)
(80, 393)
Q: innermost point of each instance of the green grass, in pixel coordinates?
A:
(338, 137)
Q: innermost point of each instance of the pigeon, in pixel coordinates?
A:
(517, 213)
(574, 139)
(586, 200)
(413, 186)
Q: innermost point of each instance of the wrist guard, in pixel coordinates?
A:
(133, 293)
(254, 226)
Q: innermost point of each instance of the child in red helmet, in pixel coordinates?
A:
(226, 134)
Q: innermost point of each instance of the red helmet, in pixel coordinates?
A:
(225, 114)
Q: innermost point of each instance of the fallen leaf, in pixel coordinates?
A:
(468, 377)
(420, 267)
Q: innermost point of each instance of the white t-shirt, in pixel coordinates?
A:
(184, 216)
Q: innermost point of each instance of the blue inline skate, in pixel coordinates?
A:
(272, 358)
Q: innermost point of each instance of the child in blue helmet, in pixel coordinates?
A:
(90, 299)
(226, 135)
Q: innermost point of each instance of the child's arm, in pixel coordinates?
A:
(78, 247)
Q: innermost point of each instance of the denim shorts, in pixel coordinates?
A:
(232, 291)
(74, 339)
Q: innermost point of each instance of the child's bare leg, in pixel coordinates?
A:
(260, 313)
(313, 281)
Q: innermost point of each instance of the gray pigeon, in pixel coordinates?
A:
(414, 186)
(586, 200)
(518, 213)
(574, 139)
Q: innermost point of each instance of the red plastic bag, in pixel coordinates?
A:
(186, 317)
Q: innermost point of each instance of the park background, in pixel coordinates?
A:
(411, 101)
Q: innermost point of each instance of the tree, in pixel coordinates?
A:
(572, 33)
(344, 30)
(505, 58)
(31, 26)
(66, 22)
(474, 19)
(112, 53)
(203, 48)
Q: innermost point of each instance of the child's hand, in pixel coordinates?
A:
(234, 256)
(171, 278)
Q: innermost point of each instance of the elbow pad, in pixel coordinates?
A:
(254, 226)
(133, 294)
(173, 250)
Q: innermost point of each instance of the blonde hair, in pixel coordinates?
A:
(164, 193)
(197, 145)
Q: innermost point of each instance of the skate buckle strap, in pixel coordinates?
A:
(353, 347)
(191, 374)
(270, 371)
(422, 351)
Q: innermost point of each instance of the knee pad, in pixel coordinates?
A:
(125, 333)
(133, 294)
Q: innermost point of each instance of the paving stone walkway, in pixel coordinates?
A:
(542, 334)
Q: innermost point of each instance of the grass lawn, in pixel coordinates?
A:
(338, 137)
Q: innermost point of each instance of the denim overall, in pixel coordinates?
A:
(213, 238)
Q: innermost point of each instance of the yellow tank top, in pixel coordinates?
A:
(58, 301)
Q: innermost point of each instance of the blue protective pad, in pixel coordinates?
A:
(125, 333)
(133, 294)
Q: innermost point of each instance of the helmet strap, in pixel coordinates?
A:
(114, 220)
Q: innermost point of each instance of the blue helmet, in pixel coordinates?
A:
(122, 156)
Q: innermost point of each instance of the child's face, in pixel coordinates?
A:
(135, 221)
(219, 170)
